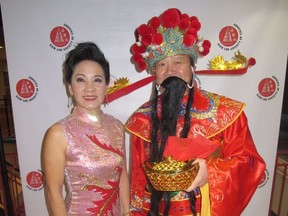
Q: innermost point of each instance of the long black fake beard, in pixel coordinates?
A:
(174, 92)
(171, 99)
(170, 106)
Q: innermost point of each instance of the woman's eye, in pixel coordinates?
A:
(79, 79)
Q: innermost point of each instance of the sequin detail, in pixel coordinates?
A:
(92, 170)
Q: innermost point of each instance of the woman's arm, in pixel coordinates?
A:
(53, 163)
(124, 183)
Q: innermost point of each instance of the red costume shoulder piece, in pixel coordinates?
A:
(211, 114)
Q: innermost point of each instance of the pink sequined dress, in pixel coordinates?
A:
(94, 162)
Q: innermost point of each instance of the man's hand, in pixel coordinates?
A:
(202, 176)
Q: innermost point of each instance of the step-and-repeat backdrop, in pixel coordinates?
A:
(39, 33)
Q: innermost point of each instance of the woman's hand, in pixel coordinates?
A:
(202, 177)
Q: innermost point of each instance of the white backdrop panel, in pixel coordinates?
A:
(111, 24)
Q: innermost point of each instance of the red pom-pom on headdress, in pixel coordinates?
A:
(184, 24)
(195, 24)
(145, 29)
(146, 39)
(185, 16)
(193, 18)
(207, 43)
(154, 22)
(192, 31)
(138, 49)
(157, 38)
(205, 51)
(137, 57)
(189, 40)
(170, 18)
(141, 65)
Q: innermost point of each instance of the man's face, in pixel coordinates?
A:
(177, 65)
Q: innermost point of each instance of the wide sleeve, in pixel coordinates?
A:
(234, 178)
(137, 174)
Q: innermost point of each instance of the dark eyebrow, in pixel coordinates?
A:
(97, 75)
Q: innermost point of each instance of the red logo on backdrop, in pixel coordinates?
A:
(268, 88)
(61, 37)
(27, 89)
(230, 37)
(35, 180)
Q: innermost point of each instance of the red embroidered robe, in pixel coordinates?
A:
(218, 127)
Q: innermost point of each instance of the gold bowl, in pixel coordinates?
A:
(170, 174)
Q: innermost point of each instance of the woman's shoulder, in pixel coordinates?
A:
(55, 130)
(55, 137)
(65, 119)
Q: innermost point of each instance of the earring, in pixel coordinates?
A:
(157, 87)
(190, 87)
(69, 102)
(106, 102)
(192, 80)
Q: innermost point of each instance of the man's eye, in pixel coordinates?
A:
(161, 64)
(98, 80)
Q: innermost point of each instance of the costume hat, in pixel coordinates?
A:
(169, 34)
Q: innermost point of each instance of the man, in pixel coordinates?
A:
(185, 122)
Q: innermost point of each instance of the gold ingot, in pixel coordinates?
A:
(170, 174)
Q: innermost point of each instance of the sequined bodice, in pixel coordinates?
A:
(94, 162)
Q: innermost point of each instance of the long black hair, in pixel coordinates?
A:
(170, 100)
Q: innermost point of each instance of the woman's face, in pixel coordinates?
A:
(177, 65)
(88, 86)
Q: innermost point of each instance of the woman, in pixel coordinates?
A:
(85, 151)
